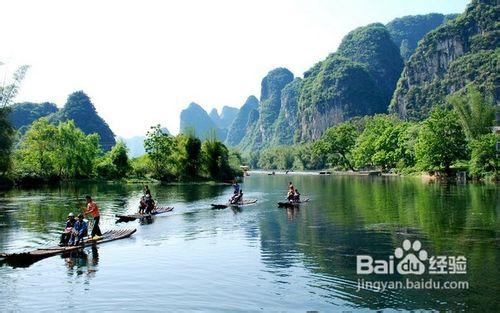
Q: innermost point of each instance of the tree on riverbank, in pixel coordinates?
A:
(56, 152)
(185, 157)
(7, 93)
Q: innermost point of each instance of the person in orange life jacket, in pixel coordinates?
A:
(94, 210)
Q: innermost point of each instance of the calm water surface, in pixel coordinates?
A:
(257, 258)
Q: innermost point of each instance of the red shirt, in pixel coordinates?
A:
(92, 209)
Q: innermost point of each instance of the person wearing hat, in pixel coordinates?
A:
(80, 230)
(67, 230)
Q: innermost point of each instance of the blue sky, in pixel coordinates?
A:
(142, 62)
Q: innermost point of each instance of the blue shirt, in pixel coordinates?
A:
(236, 188)
(80, 227)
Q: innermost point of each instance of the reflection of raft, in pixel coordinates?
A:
(27, 258)
(132, 217)
(292, 204)
(244, 202)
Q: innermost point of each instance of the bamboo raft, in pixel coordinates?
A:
(292, 204)
(27, 258)
(226, 205)
(132, 217)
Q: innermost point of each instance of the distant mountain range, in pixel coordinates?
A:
(196, 120)
(406, 67)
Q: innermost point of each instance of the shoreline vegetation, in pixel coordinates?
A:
(456, 141)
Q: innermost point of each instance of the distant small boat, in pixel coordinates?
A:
(292, 204)
(132, 217)
(226, 205)
(24, 259)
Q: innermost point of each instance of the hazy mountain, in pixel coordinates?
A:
(23, 114)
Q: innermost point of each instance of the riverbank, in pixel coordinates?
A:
(323, 173)
(425, 176)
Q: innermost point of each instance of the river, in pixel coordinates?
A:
(257, 257)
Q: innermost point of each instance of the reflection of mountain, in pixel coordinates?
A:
(354, 215)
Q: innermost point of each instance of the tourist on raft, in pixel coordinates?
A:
(80, 230)
(150, 203)
(291, 192)
(236, 187)
(296, 196)
(142, 205)
(237, 198)
(94, 210)
(66, 235)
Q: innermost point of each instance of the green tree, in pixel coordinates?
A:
(7, 93)
(388, 148)
(36, 156)
(141, 166)
(484, 156)
(216, 160)
(441, 141)
(476, 113)
(160, 147)
(119, 158)
(63, 151)
(373, 146)
(337, 143)
(188, 155)
(76, 152)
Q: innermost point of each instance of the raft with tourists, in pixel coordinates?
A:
(292, 204)
(236, 198)
(292, 198)
(30, 257)
(135, 216)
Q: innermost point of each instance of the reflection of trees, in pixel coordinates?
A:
(363, 215)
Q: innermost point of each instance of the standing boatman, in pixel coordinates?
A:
(94, 210)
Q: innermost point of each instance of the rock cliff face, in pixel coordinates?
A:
(407, 31)
(270, 103)
(195, 119)
(287, 122)
(357, 80)
(462, 51)
(80, 109)
(333, 91)
(245, 119)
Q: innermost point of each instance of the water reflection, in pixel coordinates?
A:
(373, 216)
(80, 263)
(308, 252)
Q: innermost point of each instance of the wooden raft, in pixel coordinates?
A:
(132, 217)
(226, 205)
(291, 204)
(26, 258)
